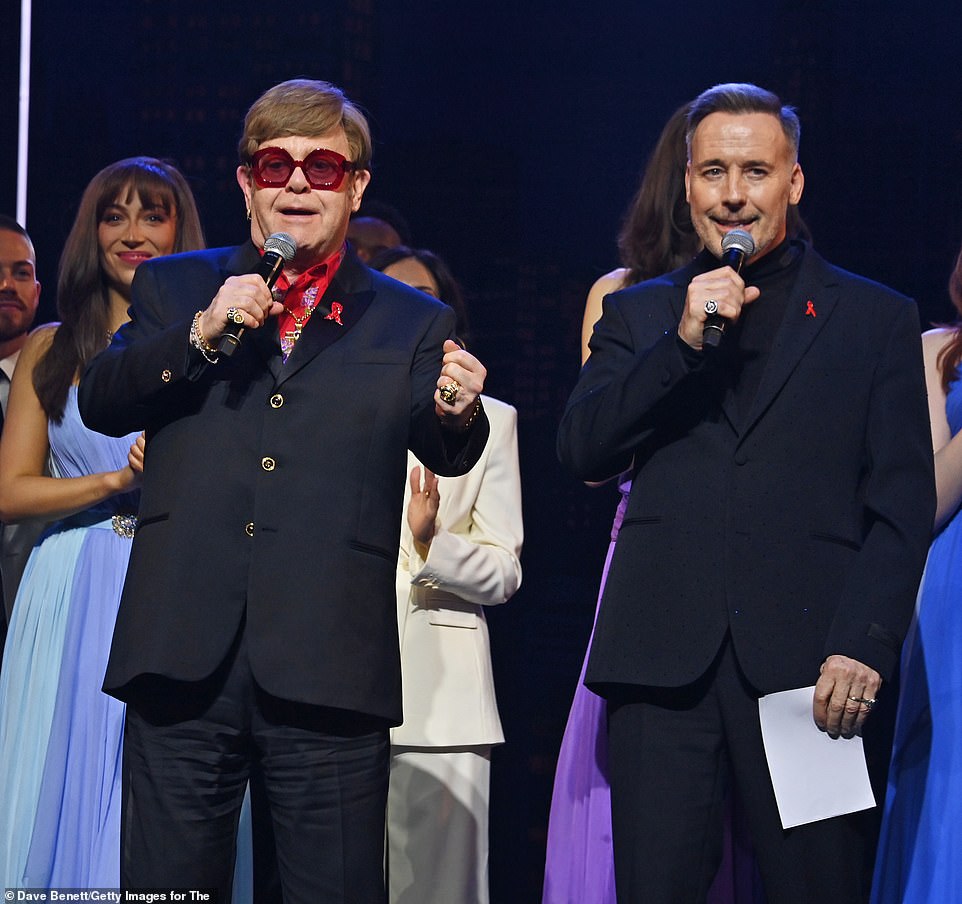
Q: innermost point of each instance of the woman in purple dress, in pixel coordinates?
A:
(657, 236)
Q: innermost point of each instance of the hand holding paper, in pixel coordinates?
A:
(814, 775)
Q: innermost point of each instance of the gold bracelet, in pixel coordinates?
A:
(199, 342)
(463, 428)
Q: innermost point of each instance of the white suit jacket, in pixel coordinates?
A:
(446, 680)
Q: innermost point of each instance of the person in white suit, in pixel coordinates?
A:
(460, 545)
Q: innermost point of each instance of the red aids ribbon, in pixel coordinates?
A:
(337, 309)
(810, 310)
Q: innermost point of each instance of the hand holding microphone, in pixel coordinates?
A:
(737, 247)
(715, 298)
(279, 249)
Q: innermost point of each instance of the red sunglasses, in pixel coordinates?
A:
(323, 169)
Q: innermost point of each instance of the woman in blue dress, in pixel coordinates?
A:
(60, 736)
(920, 850)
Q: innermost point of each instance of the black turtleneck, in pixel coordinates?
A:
(754, 333)
(745, 347)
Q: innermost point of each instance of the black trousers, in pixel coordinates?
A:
(672, 754)
(189, 750)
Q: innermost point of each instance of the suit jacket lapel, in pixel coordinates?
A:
(352, 291)
(351, 288)
(812, 301)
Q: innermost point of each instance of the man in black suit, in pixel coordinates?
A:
(257, 632)
(780, 510)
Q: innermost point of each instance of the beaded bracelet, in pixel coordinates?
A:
(463, 428)
(199, 342)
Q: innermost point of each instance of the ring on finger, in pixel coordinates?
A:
(867, 702)
(235, 316)
(711, 306)
(449, 392)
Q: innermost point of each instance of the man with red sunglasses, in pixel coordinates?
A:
(257, 635)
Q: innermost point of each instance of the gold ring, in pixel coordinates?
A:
(449, 392)
(235, 316)
(864, 701)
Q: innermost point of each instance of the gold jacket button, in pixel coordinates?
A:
(249, 528)
(268, 463)
(277, 400)
(165, 375)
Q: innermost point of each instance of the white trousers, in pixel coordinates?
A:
(437, 825)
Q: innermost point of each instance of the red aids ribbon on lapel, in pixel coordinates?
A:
(337, 309)
(810, 310)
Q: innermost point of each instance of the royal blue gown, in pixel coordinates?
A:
(920, 850)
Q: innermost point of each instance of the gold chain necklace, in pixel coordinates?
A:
(308, 304)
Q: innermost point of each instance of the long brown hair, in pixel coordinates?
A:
(950, 357)
(83, 301)
(657, 235)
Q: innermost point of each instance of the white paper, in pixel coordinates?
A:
(814, 776)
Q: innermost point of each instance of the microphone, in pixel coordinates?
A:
(279, 249)
(737, 247)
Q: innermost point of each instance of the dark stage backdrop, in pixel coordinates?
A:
(511, 135)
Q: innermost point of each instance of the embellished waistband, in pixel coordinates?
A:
(123, 524)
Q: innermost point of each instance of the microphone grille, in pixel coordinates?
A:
(739, 240)
(283, 244)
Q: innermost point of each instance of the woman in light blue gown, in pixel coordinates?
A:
(60, 735)
(920, 850)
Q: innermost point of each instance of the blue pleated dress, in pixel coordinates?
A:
(60, 735)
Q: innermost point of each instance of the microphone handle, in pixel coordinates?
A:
(715, 324)
(713, 330)
(269, 269)
(734, 258)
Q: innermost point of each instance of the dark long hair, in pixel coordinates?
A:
(657, 235)
(83, 300)
(448, 289)
(951, 355)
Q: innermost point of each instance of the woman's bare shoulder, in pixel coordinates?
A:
(38, 342)
(610, 282)
(937, 339)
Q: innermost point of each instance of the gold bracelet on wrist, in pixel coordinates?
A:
(199, 342)
(463, 428)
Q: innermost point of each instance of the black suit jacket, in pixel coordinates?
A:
(273, 489)
(801, 527)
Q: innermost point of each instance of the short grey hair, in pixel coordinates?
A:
(740, 97)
